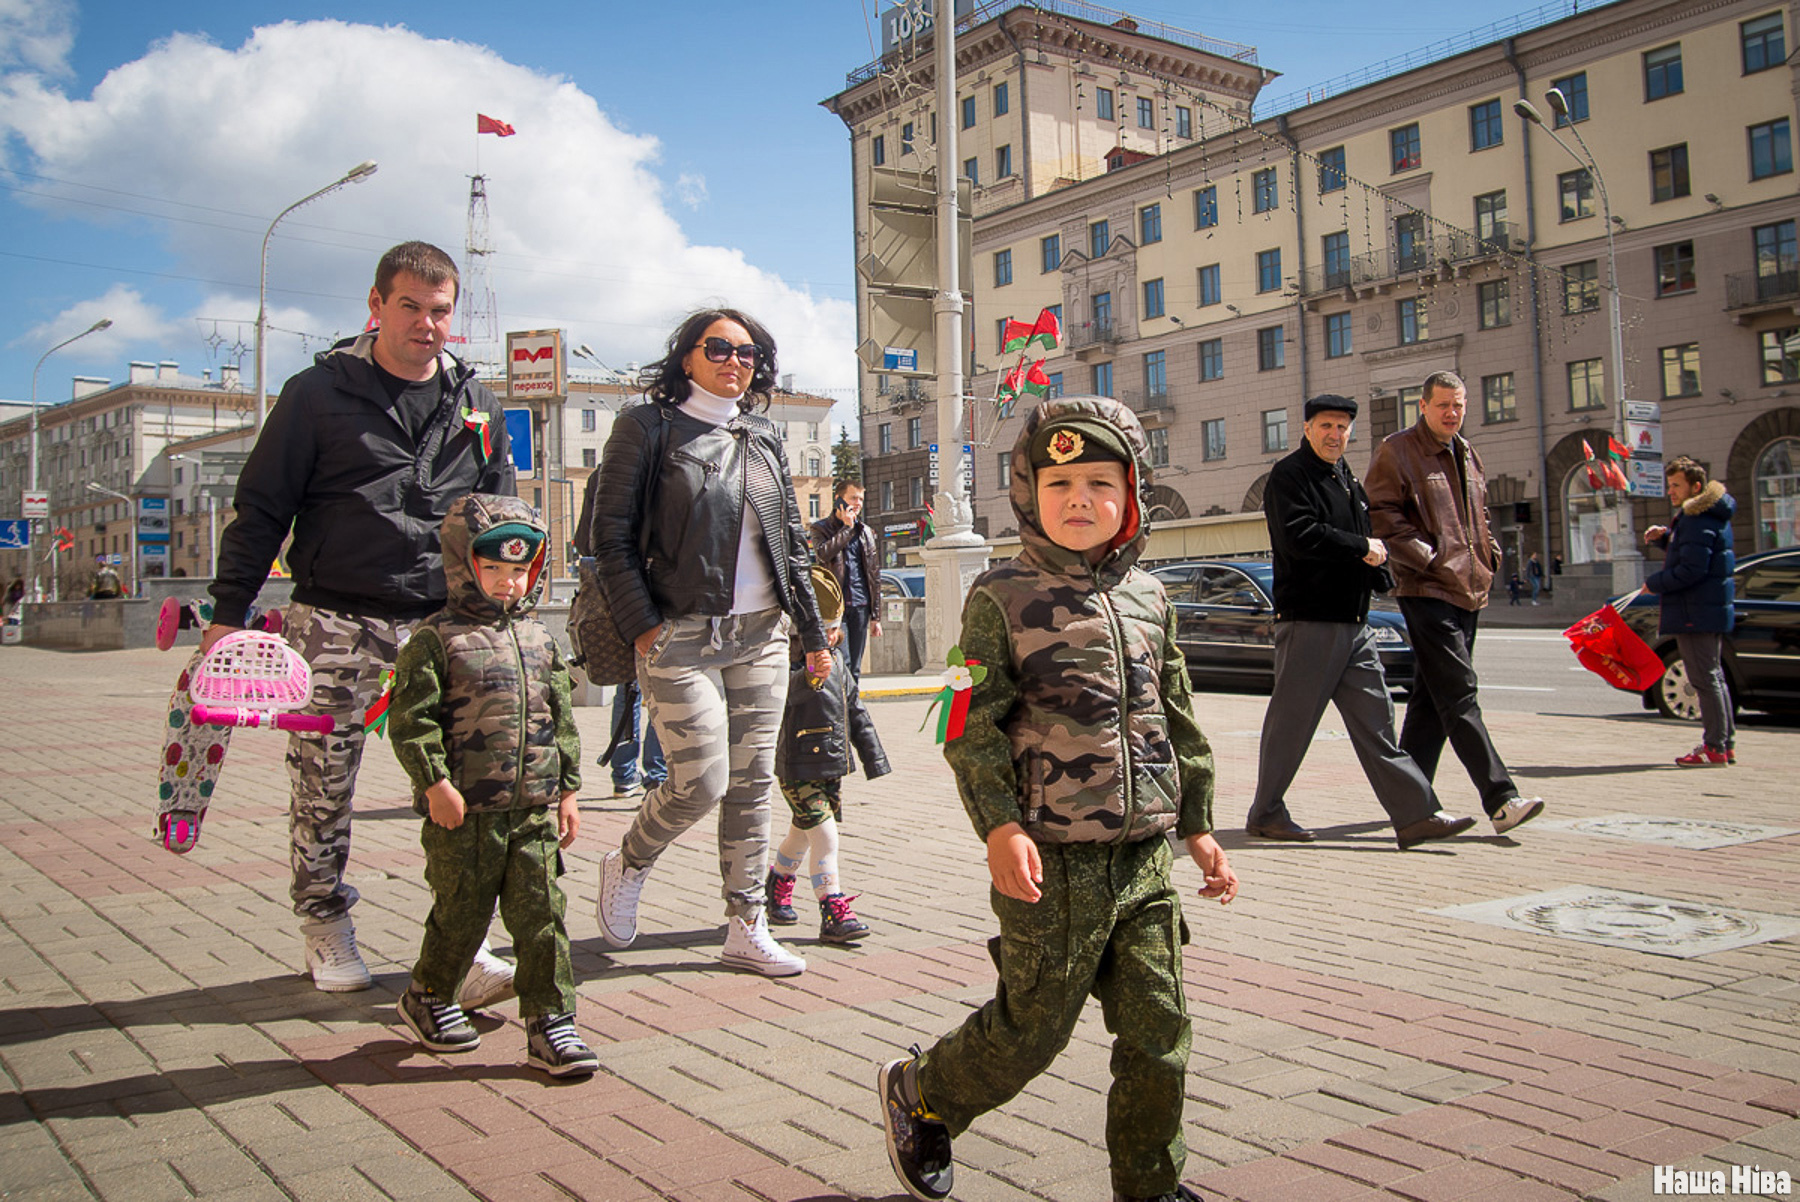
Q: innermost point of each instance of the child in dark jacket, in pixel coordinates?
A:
(824, 720)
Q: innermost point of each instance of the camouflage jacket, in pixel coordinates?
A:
(481, 694)
(1082, 730)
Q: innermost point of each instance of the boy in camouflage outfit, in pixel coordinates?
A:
(483, 723)
(1080, 756)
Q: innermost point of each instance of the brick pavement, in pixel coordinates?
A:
(157, 1040)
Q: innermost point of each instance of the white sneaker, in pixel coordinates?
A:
(1516, 811)
(753, 948)
(490, 981)
(331, 956)
(618, 902)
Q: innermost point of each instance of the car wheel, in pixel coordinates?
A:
(1673, 695)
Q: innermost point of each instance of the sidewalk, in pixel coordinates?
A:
(1351, 1042)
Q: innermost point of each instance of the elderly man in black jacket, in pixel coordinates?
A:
(1326, 566)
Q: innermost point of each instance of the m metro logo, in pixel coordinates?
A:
(534, 364)
(525, 354)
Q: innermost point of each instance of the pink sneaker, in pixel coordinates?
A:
(1703, 757)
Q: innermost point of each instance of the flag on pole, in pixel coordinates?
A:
(1022, 380)
(1046, 331)
(1017, 336)
(1597, 480)
(1617, 453)
(485, 124)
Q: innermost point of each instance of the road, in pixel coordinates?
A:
(1534, 672)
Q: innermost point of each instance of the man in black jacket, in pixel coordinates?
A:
(1326, 566)
(845, 545)
(360, 459)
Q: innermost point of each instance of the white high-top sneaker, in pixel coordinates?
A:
(490, 981)
(331, 956)
(751, 947)
(617, 905)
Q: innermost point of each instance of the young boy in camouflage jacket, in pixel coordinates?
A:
(483, 723)
(1080, 755)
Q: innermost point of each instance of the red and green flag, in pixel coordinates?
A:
(1023, 380)
(1617, 455)
(1596, 474)
(1046, 331)
(1017, 336)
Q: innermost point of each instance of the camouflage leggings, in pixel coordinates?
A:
(349, 655)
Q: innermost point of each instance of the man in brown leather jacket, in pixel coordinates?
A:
(1428, 503)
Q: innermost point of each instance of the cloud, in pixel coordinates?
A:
(692, 189)
(213, 141)
(135, 322)
(37, 35)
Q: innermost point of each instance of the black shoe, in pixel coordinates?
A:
(551, 1044)
(1283, 828)
(440, 1025)
(838, 923)
(1181, 1194)
(918, 1142)
(1439, 826)
(780, 901)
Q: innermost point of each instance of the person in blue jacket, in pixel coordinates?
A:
(1696, 590)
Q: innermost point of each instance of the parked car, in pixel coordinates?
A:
(1227, 624)
(1761, 654)
(903, 582)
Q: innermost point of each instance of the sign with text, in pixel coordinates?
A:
(534, 365)
(153, 519)
(36, 504)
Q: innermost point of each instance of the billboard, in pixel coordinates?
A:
(534, 365)
(913, 18)
(153, 519)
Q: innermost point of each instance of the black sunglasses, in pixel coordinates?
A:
(718, 350)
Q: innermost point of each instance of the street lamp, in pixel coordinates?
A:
(130, 517)
(355, 175)
(37, 588)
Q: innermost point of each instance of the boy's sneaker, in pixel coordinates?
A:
(331, 956)
(552, 1045)
(752, 948)
(1517, 810)
(1704, 757)
(918, 1142)
(440, 1025)
(1181, 1193)
(781, 899)
(628, 790)
(490, 981)
(1731, 755)
(838, 923)
(618, 903)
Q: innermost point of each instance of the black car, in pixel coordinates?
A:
(1761, 655)
(1227, 628)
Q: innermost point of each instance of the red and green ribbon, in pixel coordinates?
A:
(478, 424)
(952, 704)
(375, 717)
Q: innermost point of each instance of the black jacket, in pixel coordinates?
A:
(831, 543)
(690, 532)
(820, 726)
(1319, 529)
(335, 464)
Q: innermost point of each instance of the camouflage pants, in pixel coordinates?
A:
(813, 801)
(1109, 923)
(510, 856)
(714, 688)
(349, 655)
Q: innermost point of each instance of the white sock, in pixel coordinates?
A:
(823, 839)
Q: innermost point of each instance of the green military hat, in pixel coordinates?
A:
(1078, 439)
(509, 542)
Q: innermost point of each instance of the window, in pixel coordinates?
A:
(1498, 402)
(1274, 430)
(1002, 101)
(1146, 113)
(1056, 312)
(1056, 381)
(972, 169)
(1587, 385)
(1669, 173)
(812, 434)
(1099, 238)
(1331, 169)
(1409, 406)
(1674, 268)
(968, 112)
(1003, 162)
(1403, 147)
(1002, 268)
(1662, 72)
(1265, 191)
(589, 457)
(1153, 298)
(878, 149)
(1156, 374)
(1681, 370)
(1337, 335)
(906, 138)
(1212, 359)
(1000, 334)
(1213, 434)
(1158, 438)
(915, 433)
(1581, 287)
(1777, 260)
(1770, 151)
(1207, 290)
(812, 465)
(1486, 127)
(1576, 188)
(1409, 242)
(812, 505)
(1271, 351)
(1781, 356)
(1103, 103)
(1184, 121)
(1268, 270)
(887, 496)
(1150, 224)
(1764, 45)
(1052, 252)
(1496, 304)
(918, 492)
(1337, 258)
(1003, 469)
(1206, 207)
(1490, 216)
(1103, 379)
(1574, 90)
(1103, 312)
(1409, 316)
(884, 442)
(590, 421)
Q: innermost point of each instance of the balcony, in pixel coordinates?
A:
(1091, 336)
(1749, 292)
(908, 397)
(1154, 409)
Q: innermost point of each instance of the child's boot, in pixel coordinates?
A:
(918, 1142)
(838, 923)
(439, 1025)
(552, 1044)
(781, 899)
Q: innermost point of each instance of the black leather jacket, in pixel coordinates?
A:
(691, 526)
(821, 726)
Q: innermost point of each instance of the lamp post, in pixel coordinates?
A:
(355, 175)
(37, 588)
(131, 518)
(1627, 571)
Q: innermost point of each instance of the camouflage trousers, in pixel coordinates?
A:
(715, 688)
(1108, 924)
(510, 856)
(813, 801)
(349, 655)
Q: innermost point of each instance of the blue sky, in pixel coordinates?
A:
(667, 155)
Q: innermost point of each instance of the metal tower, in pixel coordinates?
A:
(480, 322)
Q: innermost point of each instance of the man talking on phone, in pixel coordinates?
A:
(842, 543)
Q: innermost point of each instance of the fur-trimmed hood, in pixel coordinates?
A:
(1712, 495)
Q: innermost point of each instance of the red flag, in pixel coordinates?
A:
(488, 125)
(65, 539)
(1016, 337)
(1047, 331)
(1597, 480)
(1616, 456)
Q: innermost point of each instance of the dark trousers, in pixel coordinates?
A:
(1335, 662)
(1445, 702)
(856, 637)
(1700, 652)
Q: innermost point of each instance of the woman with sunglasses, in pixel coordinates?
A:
(700, 547)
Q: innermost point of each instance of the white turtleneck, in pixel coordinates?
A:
(754, 588)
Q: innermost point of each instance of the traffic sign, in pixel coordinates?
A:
(15, 534)
(36, 504)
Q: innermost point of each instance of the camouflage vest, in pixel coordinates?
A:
(499, 731)
(1090, 741)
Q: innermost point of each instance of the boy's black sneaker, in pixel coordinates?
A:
(918, 1142)
(440, 1025)
(838, 923)
(1182, 1194)
(780, 902)
(552, 1045)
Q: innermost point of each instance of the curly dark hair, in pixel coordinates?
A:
(666, 381)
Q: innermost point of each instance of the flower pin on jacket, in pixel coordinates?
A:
(952, 704)
(478, 424)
